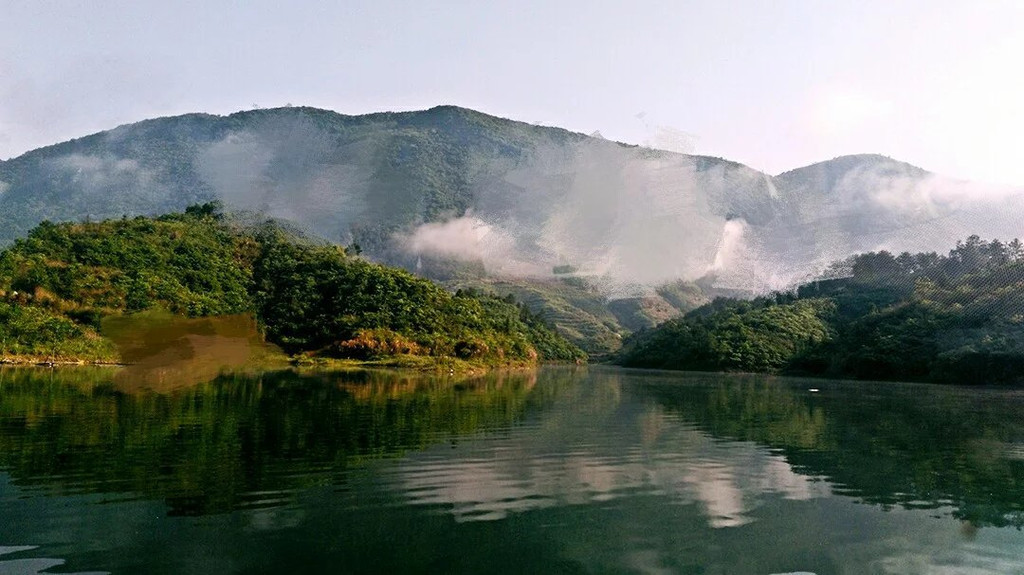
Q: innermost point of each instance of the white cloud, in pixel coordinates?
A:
(98, 175)
(465, 238)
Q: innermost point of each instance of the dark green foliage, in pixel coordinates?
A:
(188, 264)
(307, 296)
(311, 296)
(735, 336)
(917, 317)
(41, 334)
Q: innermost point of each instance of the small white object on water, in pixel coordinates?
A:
(813, 390)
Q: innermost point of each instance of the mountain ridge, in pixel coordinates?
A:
(861, 157)
(433, 109)
(170, 153)
(421, 188)
(558, 218)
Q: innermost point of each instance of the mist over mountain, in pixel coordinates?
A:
(855, 204)
(450, 188)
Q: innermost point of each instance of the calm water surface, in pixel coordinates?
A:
(563, 470)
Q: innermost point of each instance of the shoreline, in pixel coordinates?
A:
(418, 363)
(31, 361)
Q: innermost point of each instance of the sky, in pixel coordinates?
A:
(773, 84)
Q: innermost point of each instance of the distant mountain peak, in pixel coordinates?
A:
(853, 161)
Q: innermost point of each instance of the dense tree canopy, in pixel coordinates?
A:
(957, 317)
(308, 296)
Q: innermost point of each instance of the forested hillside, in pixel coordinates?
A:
(449, 190)
(600, 237)
(433, 191)
(59, 284)
(585, 316)
(928, 317)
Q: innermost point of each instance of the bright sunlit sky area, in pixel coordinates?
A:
(773, 84)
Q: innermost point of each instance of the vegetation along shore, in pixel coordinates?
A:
(101, 291)
(956, 318)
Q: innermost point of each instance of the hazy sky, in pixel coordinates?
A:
(774, 84)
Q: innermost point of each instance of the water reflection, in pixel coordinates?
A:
(239, 441)
(616, 452)
(21, 565)
(560, 470)
(915, 446)
(245, 441)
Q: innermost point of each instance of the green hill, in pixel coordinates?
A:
(309, 297)
(913, 317)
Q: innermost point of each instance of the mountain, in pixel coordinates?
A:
(469, 198)
(407, 187)
(389, 169)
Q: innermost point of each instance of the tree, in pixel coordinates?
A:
(1015, 250)
(213, 209)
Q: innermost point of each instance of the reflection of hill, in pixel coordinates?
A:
(595, 445)
(888, 444)
(237, 441)
(253, 440)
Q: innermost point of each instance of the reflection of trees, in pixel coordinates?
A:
(250, 440)
(237, 441)
(912, 446)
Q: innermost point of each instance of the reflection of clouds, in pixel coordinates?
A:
(475, 490)
(30, 565)
(726, 480)
(779, 477)
(1014, 451)
(715, 486)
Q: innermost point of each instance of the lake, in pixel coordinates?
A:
(559, 470)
